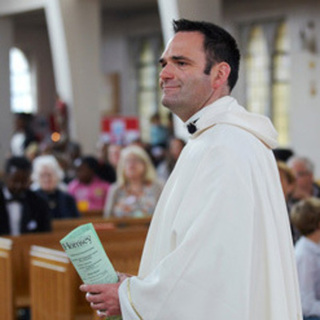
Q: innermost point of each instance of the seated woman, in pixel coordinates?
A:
(305, 215)
(88, 189)
(136, 191)
(47, 176)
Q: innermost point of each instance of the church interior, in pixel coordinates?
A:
(101, 58)
(70, 65)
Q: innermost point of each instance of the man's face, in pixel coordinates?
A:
(304, 178)
(18, 181)
(185, 86)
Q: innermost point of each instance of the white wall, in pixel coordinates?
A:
(116, 32)
(304, 113)
(118, 28)
(33, 40)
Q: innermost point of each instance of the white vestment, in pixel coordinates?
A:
(219, 245)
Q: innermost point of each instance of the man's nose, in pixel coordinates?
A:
(166, 72)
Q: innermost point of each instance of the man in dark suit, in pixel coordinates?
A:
(21, 210)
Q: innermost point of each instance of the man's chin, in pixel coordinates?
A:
(169, 103)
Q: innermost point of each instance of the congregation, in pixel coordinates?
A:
(302, 196)
(117, 181)
(126, 181)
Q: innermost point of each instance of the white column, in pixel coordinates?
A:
(74, 32)
(6, 117)
(202, 10)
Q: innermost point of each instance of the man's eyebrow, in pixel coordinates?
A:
(179, 58)
(175, 58)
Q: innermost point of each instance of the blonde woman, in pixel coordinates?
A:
(136, 191)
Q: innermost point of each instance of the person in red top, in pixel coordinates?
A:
(87, 188)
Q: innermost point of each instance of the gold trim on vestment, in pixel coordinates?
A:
(130, 299)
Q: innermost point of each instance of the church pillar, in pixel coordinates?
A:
(74, 32)
(6, 119)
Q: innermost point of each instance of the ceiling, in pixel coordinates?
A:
(128, 4)
(37, 18)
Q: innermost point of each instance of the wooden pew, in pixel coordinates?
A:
(22, 244)
(124, 248)
(52, 276)
(67, 225)
(17, 281)
(6, 280)
(21, 249)
(17, 253)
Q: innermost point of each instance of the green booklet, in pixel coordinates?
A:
(85, 250)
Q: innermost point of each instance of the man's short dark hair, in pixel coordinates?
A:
(17, 163)
(219, 45)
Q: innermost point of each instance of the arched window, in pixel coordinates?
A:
(280, 84)
(22, 97)
(148, 99)
(258, 73)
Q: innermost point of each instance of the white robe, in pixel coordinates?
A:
(219, 246)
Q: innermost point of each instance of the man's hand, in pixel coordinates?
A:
(104, 298)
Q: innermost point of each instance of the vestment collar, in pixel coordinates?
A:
(226, 110)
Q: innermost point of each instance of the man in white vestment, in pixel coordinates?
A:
(219, 245)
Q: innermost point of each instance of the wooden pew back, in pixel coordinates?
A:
(52, 276)
(22, 244)
(6, 280)
(20, 260)
(124, 248)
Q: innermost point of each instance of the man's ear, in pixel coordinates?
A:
(220, 74)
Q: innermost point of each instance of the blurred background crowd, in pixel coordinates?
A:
(44, 181)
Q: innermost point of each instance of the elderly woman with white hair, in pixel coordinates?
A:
(47, 178)
(136, 191)
(303, 170)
